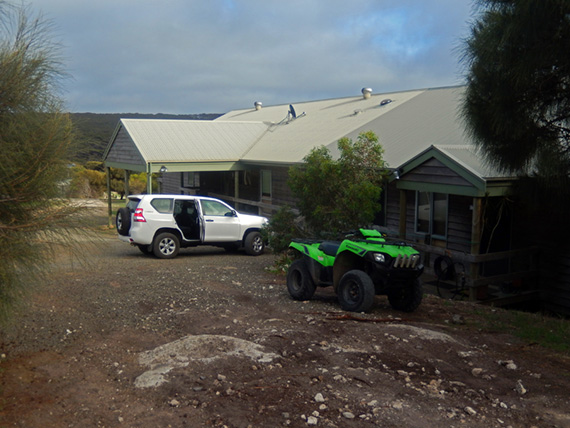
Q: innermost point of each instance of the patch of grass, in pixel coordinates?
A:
(548, 331)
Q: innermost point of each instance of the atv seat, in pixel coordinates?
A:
(330, 248)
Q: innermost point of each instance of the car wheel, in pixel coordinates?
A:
(299, 282)
(123, 221)
(254, 245)
(356, 291)
(408, 297)
(166, 246)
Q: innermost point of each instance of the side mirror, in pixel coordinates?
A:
(231, 213)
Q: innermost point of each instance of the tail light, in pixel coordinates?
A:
(138, 216)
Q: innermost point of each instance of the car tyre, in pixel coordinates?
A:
(300, 284)
(356, 291)
(145, 249)
(123, 221)
(408, 297)
(254, 245)
(166, 246)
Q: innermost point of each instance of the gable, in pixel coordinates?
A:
(123, 153)
(451, 170)
(435, 172)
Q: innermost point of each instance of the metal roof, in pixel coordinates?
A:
(407, 125)
(192, 140)
(318, 123)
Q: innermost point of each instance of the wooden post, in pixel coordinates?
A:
(109, 201)
(476, 229)
(149, 179)
(403, 216)
(127, 178)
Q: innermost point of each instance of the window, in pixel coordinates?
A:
(266, 183)
(215, 208)
(431, 213)
(162, 205)
(192, 179)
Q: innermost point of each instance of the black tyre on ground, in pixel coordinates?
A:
(123, 221)
(166, 246)
(356, 291)
(253, 244)
(145, 249)
(407, 298)
(299, 282)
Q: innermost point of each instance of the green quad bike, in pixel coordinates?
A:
(361, 266)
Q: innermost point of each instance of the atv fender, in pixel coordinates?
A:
(344, 262)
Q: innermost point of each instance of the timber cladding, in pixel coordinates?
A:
(434, 172)
(124, 150)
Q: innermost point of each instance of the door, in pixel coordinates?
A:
(221, 223)
(186, 217)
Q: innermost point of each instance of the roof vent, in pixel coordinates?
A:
(366, 92)
(257, 105)
(386, 101)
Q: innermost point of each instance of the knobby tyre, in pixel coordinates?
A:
(300, 284)
(356, 291)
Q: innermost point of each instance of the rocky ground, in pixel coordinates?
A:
(121, 339)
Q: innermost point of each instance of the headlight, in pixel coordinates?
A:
(379, 258)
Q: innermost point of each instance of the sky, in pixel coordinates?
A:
(214, 56)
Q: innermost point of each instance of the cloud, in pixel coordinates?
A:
(184, 56)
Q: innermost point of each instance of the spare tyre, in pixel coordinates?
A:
(443, 268)
(123, 221)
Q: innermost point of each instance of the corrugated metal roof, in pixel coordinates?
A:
(190, 140)
(408, 125)
(469, 157)
(318, 123)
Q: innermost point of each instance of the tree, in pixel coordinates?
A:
(517, 102)
(339, 195)
(34, 138)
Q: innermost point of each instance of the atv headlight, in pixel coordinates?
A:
(379, 258)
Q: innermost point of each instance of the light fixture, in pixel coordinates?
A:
(163, 169)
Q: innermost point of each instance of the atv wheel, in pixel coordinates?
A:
(123, 221)
(408, 297)
(355, 291)
(299, 281)
(166, 246)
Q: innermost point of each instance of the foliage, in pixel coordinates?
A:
(517, 102)
(34, 136)
(87, 183)
(137, 183)
(339, 195)
(518, 95)
(283, 226)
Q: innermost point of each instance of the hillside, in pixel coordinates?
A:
(93, 130)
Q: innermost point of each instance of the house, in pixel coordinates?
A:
(441, 195)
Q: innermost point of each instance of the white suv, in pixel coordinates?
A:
(162, 224)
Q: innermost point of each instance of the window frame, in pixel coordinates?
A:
(266, 180)
(432, 214)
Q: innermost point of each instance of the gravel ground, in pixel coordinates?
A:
(212, 339)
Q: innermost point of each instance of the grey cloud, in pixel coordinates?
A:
(185, 56)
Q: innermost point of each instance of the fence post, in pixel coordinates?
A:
(476, 228)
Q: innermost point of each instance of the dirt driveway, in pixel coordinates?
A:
(212, 339)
